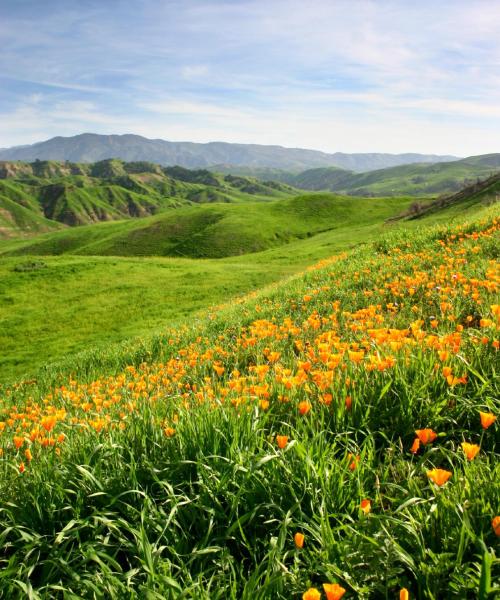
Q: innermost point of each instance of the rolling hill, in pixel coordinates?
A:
(90, 147)
(217, 230)
(418, 179)
(40, 196)
(412, 179)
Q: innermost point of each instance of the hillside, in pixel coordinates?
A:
(42, 195)
(218, 230)
(47, 312)
(417, 179)
(90, 147)
(337, 431)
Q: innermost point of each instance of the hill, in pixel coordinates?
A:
(90, 147)
(217, 230)
(48, 313)
(337, 430)
(415, 179)
(42, 195)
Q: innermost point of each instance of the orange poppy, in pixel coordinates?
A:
(18, 441)
(470, 450)
(495, 523)
(439, 476)
(304, 407)
(404, 594)
(311, 594)
(282, 441)
(354, 461)
(22, 468)
(366, 506)
(426, 436)
(333, 591)
(298, 538)
(487, 419)
(415, 446)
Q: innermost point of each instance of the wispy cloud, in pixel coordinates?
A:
(370, 75)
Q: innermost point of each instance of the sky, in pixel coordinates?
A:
(332, 75)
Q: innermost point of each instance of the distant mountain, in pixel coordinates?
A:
(91, 147)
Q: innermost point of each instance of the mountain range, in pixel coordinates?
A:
(91, 147)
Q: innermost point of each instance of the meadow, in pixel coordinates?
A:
(47, 312)
(333, 435)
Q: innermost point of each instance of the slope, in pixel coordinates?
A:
(337, 430)
(219, 230)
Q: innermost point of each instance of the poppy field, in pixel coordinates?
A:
(333, 436)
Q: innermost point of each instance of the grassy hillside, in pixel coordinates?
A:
(338, 429)
(50, 193)
(47, 312)
(413, 179)
(218, 230)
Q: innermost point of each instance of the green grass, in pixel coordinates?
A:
(77, 304)
(217, 230)
(121, 510)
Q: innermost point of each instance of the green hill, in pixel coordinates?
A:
(54, 303)
(52, 192)
(338, 428)
(217, 230)
(422, 179)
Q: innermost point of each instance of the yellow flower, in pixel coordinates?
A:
(470, 450)
(439, 476)
(311, 594)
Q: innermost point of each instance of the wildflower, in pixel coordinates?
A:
(22, 468)
(470, 450)
(404, 594)
(426, 436)
(169, 431)
(48, 423)
(333, 591)
(304, 407)
(495, 523)
(439, 476)
(282, 441)
(28, 455)
(18, 441)
(311, 594)
(366, 506)
(298, 538)
(219, 369)
(487, 419)
(348, 402)
(415, 446)
(354, 461)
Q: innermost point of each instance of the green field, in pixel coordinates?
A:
(47, 311)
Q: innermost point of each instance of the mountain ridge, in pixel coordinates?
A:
(91, 147)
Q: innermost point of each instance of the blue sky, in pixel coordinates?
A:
(334, 75)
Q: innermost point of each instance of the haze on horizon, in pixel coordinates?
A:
(332, 75)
